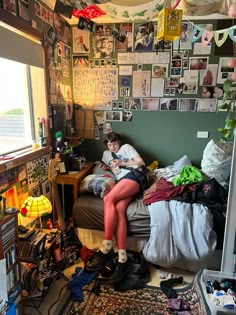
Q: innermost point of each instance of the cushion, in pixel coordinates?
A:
(216, 161)
(98, 171)
(179, 164)
(99, 185)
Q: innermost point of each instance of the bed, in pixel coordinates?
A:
(170, 232)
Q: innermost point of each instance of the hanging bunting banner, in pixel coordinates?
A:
(206, 37)
(196, 34)
(221, 36)
(90, 12)
(232, 33)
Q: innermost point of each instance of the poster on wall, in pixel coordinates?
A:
(141, 83)
(150, 103)
(123, 37)
(143, 36)
(209, 75)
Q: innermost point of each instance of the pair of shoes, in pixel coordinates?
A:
(99, 260)
(122, 269)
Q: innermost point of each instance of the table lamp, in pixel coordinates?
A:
(36, 207)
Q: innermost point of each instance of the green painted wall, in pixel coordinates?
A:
(163, 136)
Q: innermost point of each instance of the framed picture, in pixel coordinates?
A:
(113, 115)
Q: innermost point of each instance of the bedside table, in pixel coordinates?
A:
(73, 179)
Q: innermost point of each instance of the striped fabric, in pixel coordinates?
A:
(99, 185)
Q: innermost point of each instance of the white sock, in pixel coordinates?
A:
(122, 256)
(106, 246)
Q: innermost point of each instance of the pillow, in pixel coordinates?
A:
(179, 164)
(98, 171)
(216, 161)
(99, 185)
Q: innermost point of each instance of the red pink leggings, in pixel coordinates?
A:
(115, 205)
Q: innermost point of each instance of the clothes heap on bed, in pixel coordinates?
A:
(181, 215)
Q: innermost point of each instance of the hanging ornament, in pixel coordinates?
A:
(169, 24)
(206, 37)
(221, 36)
(231, 63)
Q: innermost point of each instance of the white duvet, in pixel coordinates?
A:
(179, 231)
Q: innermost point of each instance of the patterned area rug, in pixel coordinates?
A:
(150, 300)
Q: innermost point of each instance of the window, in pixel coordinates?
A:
(23, 88)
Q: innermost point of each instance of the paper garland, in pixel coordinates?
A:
(220, 36)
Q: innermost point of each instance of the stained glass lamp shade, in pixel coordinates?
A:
(36, 207)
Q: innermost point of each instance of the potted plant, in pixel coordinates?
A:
(227, 132)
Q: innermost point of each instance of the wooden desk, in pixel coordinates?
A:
(75, 178)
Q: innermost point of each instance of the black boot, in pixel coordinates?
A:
(99, 260)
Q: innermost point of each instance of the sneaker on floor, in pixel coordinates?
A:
(99, 260)
(122, 269)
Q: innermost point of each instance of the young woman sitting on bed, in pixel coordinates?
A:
(128, 167)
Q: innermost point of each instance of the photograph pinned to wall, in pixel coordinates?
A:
(208, 76)
(91, 63)
(23, 8)
(222, 108)
(168, 104)
(103, 29)
(224, 71)
(207, 105)
(162, 45)
(176, 54)
(144, 36)
(103, 63)
(132, 103)
(176, 63)
(189, 82)
(124, 91)
(65, 67)
(127, 115)
(114, 105)
(99, 116)
(167, 91)
(185, 64)
(207, 91)
(188, 104)
(185, 40)
(198, 63)
(172, 91)
(113, 62)
(172, 82)
(176, 72)
(120, 105)
(218, 92)
(62, 27)
(185, 54)
(198, 48)
(160, 70)
(113, 115)
(107, 127)
(108, 62)
(96, 63)
(80, 61)
(46, 189)
(123, 37)
(80, 41)
(150, 104)
(103, 46)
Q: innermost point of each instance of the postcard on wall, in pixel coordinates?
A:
(207, 105)
(157, 87)
(150, 104)
(127, 115)
(188, 104)
(141, 83)
(160, 70)
(123, 37)
(185, 41)
(107, 127)
(190, 82)
(113, 115)
(198, 63)
(169, 104)
(132, 103)
(172, 82)
(209, 75)
(224, 71)
(143, 36)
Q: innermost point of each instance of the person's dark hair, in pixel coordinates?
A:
(112, 137)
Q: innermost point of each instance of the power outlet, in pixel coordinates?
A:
(202, 134)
